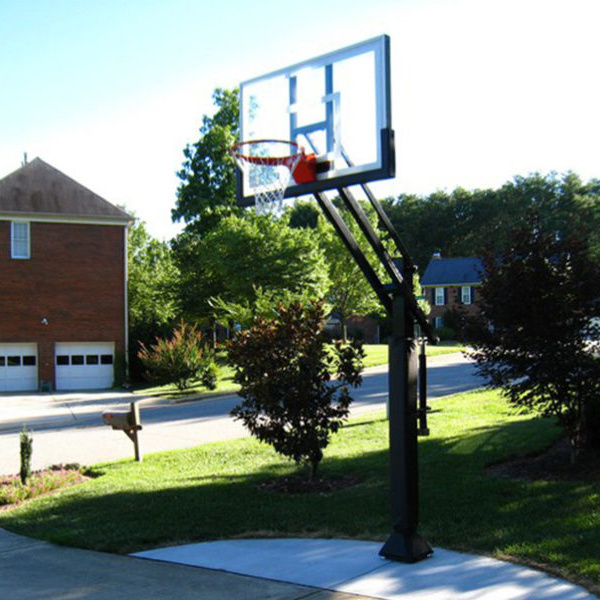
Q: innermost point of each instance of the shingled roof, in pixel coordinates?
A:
(452, 271)
(39, 189)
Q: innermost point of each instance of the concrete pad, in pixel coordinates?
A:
(318, 563)
(355, 567)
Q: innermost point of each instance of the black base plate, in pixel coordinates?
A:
(408, 548)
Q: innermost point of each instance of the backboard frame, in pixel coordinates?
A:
(345, 174)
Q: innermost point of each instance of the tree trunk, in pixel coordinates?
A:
(574, 452)
(315, 459)
(576, 443)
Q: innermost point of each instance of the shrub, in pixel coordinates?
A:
(295, 389)
(180, 360)
(539, 309)
(209, 375)
(26, 443)
(13, 491)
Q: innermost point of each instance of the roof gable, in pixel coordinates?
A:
(453, 271)
(39, 189)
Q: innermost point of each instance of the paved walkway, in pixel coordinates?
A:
(280, 569)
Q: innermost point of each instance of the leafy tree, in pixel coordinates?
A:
(181, 359)
(207, 190)
(539, 305)
(295, 392)
(425, 224)
(241, 255)
(463, 223)
(152, 290)
(264, 304)
(304, 214)
(349, 292)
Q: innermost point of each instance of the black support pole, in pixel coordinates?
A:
(422, 412)
(404, 544)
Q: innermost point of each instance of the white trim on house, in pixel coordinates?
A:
(472, 284)
(126, 298)
(466, 294)
(440, 296)
(20, 239)
(48, 218)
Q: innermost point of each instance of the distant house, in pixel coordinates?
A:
(359, 327)
(451, 282)
(63, 297)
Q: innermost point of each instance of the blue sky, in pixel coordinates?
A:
(111, 91)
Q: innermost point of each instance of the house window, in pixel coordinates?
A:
(440, 296)
(19, 240)
(438, 322)
(465, 294)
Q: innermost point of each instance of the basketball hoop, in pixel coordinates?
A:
(270, 166)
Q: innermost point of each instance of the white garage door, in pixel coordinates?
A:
(18, 368)
(84, 366)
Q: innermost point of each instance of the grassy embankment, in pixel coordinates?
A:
(213, 492)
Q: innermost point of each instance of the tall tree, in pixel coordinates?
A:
(349, 292)
(207, 190)
(463, 223)
(425, 224)
(242, 255)
(152, 290)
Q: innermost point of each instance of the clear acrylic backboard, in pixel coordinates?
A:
(336, 106)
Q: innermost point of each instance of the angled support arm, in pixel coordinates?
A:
(352, 245)
(374, 240)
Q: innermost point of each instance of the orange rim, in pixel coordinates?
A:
(267, 160)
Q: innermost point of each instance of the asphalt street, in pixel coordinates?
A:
(68, 428)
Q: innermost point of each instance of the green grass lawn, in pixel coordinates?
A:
(376, 354)
(212, 492)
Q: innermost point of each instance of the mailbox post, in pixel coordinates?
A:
(128, 422)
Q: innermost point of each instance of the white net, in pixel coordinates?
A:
(267, 166)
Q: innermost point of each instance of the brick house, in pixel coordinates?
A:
(63, 293)
(451, 283)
